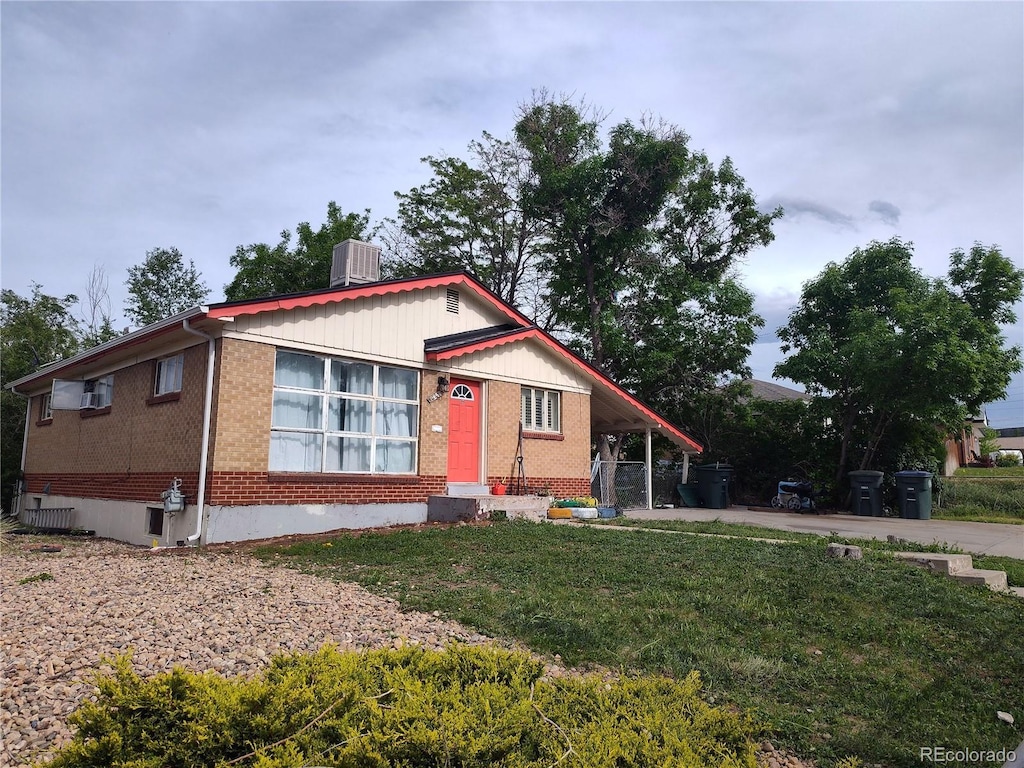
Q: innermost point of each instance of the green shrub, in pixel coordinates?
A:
(1008, 460)
(467, 706)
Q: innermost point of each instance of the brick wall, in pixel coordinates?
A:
(131, 449)
(138, 486)
(558, 461)
(239, 488)
(243, 398)
(134, 451)
(433, 459)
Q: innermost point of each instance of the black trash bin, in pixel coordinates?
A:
(866, 488)
(713, 485)
(914, 491)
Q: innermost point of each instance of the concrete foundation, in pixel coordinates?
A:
(133, 521)
(226, 524)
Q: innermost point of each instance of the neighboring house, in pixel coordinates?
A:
(962, 447)
(769, 390)
(1011, 440)
(344, 407)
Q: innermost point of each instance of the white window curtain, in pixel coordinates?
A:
(333, 415)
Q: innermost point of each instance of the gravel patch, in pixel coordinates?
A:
(201, 611)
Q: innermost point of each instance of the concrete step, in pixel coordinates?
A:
(960, 567)
(938, 562)
(468, 489)
(994, 580)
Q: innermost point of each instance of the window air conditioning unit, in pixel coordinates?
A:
(355, 262)
(90, 400)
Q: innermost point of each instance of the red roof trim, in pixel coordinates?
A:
(348, 293)
(479, 346)
(552, 343)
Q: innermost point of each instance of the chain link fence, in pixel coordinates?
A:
(620, 484)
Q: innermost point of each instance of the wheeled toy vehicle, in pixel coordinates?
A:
(795, 495)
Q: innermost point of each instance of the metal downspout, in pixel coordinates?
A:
(211, 355)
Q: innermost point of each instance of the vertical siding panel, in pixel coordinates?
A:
(389, 325)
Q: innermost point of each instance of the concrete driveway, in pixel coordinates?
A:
(975, 538)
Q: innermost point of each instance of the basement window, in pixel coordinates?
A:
(155, 521)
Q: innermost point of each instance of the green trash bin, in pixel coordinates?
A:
(866, 492)
(689, 494)
(713, 485)
(914, 491)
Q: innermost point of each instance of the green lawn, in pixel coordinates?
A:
(1013, 566)
(870, 658)
(1017, 471)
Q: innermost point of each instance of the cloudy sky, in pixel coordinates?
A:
(206, 125)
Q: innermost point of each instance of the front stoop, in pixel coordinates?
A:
(467, 489)
(454, 509)
(960, 567)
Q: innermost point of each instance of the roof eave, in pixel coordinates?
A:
(101, 350)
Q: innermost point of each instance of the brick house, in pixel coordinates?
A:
(347, 407)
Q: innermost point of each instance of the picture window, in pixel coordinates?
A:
(335, 415)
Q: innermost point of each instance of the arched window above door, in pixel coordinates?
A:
(462, 392)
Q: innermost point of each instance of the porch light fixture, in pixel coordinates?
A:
(442, 387)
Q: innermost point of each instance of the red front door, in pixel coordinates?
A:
(464, 431)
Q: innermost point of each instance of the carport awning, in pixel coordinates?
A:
(612, 409)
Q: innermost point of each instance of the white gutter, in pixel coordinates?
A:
(211, 355)
(107, 346)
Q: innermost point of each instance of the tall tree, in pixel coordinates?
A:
(469, 216)
(264, 270)
(162, 285)
(96, 324)
(644, 235)
(34, 331)
(887, 347)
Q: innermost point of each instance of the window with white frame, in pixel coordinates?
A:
(335, 415)
(46, 407)
(541, 411)
(168, 374)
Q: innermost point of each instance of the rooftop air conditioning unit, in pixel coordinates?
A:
(355, 262)
(90, 400)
